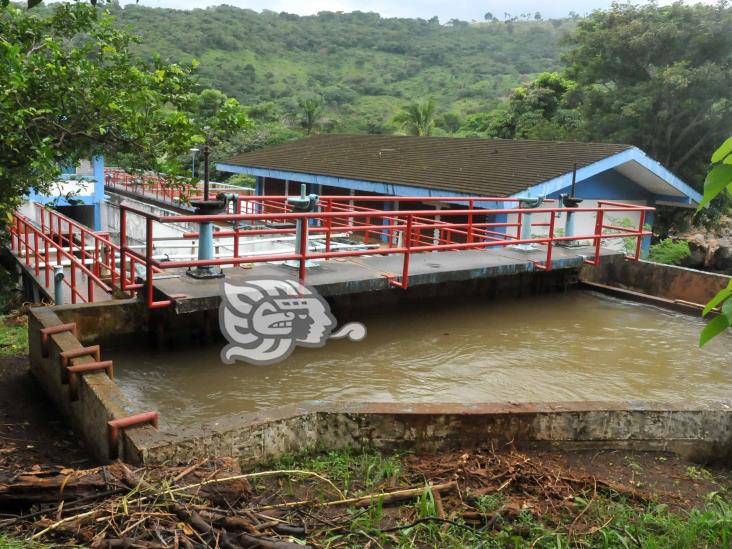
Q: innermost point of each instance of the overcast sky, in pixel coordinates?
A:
(456, 9)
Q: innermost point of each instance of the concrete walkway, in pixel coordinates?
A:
(368, 273)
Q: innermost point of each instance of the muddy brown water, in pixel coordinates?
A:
(560, 347)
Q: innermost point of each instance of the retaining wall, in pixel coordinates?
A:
(655, 279)
(99, 398)
(701, 433)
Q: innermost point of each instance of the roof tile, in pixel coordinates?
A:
(487, 167)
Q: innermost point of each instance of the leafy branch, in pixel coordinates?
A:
(718, 179)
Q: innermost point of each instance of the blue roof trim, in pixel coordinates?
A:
(357, 184)
(635, 154)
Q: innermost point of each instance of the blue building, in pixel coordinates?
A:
(359, 165)
(79, 192)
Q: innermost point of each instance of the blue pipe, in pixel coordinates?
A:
(205, 241)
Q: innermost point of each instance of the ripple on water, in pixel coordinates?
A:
(574, 346)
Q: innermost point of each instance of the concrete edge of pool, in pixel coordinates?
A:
(702, 432)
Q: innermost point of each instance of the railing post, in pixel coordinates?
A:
(408, 246)
(598, 232)
(96, 269)
(550, 244)
(82, 237)
(47, 272)
(520, 222)
(640, 234)
(328, 225)
(389, 231)
(122, 246)
(148, 257)
(13, 231)
(25, 239)
(89, 289)
(35, 253)
(469, 237)
(73, 281)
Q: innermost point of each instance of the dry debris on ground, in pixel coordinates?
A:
(213, 504)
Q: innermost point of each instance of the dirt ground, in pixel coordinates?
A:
(31, 431)
(675, 480)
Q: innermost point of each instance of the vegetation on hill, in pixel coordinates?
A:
(363, 67)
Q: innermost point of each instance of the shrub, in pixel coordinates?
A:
(669, 251)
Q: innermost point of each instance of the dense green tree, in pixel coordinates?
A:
(70, 87)
(253, 136)
(657, 77)
(542, 109)
(417, 118)
(449, 121)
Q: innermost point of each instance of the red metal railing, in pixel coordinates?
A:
(404, 232)
(90, 247)
(41, 249)
(162, 189)
(92, 259)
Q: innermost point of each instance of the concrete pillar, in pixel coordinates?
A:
(436, 232)
(258, 191)
(646, 243)
(98, 195)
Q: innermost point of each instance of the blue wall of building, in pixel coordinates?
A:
(93, 195)
(609, 185)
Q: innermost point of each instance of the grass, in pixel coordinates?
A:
(13, 336)
(606, 522)
(613, 524)
(7, 542)
(354, 471)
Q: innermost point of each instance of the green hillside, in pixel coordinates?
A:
(364, 67)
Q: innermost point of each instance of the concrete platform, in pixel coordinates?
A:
(369, 273)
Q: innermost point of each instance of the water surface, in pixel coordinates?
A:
(574, 346)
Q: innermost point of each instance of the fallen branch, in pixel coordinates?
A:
(385, 498)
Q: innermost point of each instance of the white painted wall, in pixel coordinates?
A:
(584, 222)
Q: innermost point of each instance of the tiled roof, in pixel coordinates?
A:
(488, 167)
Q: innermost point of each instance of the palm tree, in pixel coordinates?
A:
(310, 109)
(417, 118)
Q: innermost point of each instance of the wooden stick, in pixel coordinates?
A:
(385, 497)
(142, 499)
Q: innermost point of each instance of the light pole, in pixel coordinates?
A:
(193, 152)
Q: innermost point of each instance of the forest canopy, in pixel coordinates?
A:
(363, 67)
